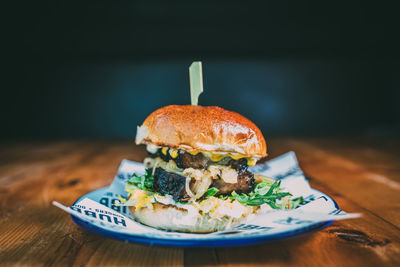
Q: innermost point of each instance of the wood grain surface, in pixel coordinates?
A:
(361, 174)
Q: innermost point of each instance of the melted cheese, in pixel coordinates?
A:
(214, 156)
(236, 156)
(144, 202)
(218, 156)
(251, 162)
(140, 199)
(173, 152)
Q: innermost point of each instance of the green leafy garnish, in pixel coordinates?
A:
(144, 182)
(294, 203)
(267, 193)
(242, 198)
(263, 187)
(212, 191)
(223, 197)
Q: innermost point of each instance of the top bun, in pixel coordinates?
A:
(211, 129)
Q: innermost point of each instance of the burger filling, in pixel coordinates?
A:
(205, 181)
(188, 175)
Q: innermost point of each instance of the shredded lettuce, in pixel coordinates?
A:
(294, 203)
(211, 191)
(144, 182)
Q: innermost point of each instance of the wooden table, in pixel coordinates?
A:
(361, 174)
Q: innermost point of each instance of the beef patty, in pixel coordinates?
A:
(245, 183)
(168, 183)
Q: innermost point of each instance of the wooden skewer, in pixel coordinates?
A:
(196, 82)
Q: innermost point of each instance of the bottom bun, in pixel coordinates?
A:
(172, 218)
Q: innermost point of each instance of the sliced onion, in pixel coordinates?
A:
(148, 163)
(187, 187)
(154, 167)
(201, 186)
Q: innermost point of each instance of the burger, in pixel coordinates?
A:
(197, 175)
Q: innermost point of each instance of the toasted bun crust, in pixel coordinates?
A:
(202, 128)
(172, 218)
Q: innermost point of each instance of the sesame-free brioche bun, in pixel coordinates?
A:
(203, 128)
(172, 218)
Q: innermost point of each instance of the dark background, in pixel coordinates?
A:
(96, 69)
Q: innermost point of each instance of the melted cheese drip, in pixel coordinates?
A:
(173, 152)
(141, 199)
(251, 162)
(217, 156)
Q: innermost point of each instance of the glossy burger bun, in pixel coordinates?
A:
(203, 128)
(172, 218)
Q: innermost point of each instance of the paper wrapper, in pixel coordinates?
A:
(102, 210)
